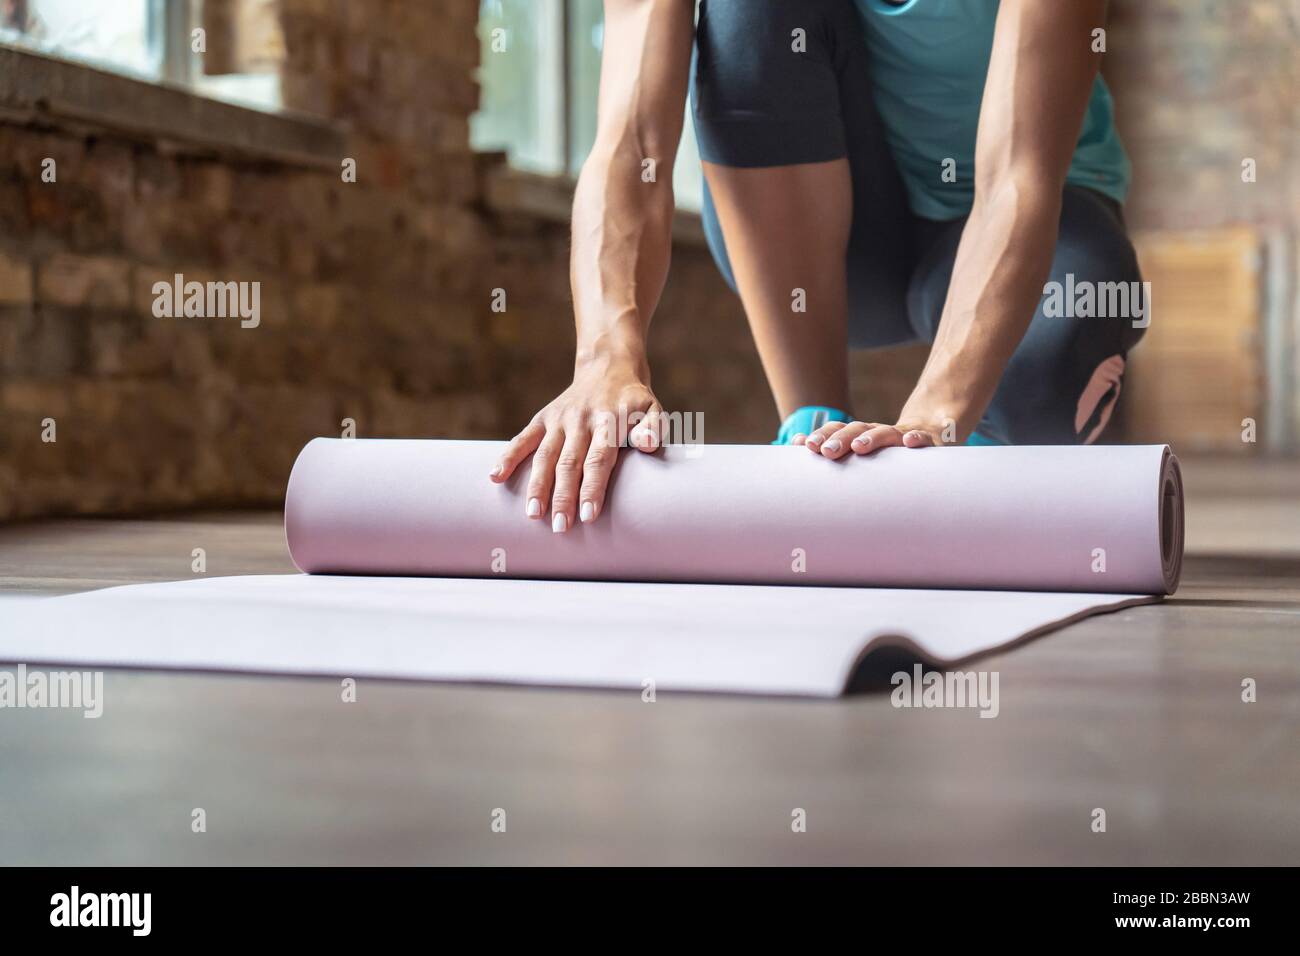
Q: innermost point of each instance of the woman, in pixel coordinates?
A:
(876, 172)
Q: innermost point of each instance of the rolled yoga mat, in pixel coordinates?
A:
(1048, 518)
(1038, 537)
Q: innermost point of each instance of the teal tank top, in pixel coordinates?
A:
(928, 63)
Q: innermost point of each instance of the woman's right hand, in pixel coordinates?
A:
(622, 244)
(575, 440)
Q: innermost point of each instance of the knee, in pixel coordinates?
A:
(1096, 288)
(1062, 382)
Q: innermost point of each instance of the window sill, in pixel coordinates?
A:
(550, 198)
(45, 90)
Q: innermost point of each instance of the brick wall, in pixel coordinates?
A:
(375, 295)
(1199, 86)
(1202, 86)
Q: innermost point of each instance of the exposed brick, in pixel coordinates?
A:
(157, 178)
(111, 171)
(90, 282)
(471, 415)
(1198, 87)
(46, 343)
(211, 185)
(15, 279)
(317, 307)
(375, 295)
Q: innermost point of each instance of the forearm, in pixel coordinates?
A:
(622, 240)
(623, 207)
(1040, 77)
(1002, 261)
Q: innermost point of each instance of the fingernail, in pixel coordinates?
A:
(811, 440)
(496, 472)
(534, 507)
(862, 441)
(560, 523)
(588, 511)
(832, 446)
(797, 437)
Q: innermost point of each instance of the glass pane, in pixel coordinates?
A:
(688, 175)
(521, 81)
(260, 91)
(586, 37)
(114, 34)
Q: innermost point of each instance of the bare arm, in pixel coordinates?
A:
(623, 207)
(622, 220)
(1040, 78)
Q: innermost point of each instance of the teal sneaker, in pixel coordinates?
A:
(806, 420)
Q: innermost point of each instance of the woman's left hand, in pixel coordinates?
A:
(837, 439)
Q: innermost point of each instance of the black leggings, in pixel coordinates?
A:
(755, 103)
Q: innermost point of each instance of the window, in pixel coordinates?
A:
(151, 40)
(114, 34)
(539, 72)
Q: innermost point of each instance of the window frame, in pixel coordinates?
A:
(558, 109)
(168, 37)
(170, 26)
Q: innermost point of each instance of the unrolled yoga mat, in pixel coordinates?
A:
(1078, 518)
(682, 637)
(736, 525)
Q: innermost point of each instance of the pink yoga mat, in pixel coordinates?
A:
(1105, 519)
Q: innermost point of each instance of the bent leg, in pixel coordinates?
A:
(1064, 379)
(781, 252)
(778, 93)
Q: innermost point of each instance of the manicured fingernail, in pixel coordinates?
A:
(812, 440)
(862, 441)
(587, 512)
(534, 507)
(496, 472)
(832, 446)
(560, 523)
(798, 437)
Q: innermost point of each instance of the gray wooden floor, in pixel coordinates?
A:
(1138, 713)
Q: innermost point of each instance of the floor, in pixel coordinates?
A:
(1138, 713)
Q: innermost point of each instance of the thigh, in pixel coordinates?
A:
(1065, 377)
(775, 83)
